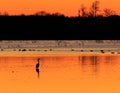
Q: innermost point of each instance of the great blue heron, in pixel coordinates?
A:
(37, 65)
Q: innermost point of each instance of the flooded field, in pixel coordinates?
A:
(60, 74)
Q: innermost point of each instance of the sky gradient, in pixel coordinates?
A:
(66, 7)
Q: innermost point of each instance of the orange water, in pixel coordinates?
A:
(60, 74)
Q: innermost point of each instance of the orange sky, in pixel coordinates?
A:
(67, 7)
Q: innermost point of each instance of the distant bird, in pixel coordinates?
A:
(37, 65)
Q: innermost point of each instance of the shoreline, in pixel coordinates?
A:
(54, 53)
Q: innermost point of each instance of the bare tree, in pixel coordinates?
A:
(57, 14)
(0, 13)
(79, 13)
(83, 11)
(4, 14)
(94, 8)
(108, 12)
(41, 13)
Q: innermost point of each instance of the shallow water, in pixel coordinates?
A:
(60, 74)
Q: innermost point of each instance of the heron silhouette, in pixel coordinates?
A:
(37, 67)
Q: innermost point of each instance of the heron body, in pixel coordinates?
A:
(37, 65)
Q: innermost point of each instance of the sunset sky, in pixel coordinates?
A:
(66, 7)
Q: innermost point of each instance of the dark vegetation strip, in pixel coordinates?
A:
(59, 27)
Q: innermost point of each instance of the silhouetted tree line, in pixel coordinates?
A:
(82, 12)
(93, 11)
(43, 25)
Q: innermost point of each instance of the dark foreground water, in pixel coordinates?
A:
(65, 74)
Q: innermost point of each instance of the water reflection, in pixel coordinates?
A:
(60, 74)
(91, 60)
(37, 70)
